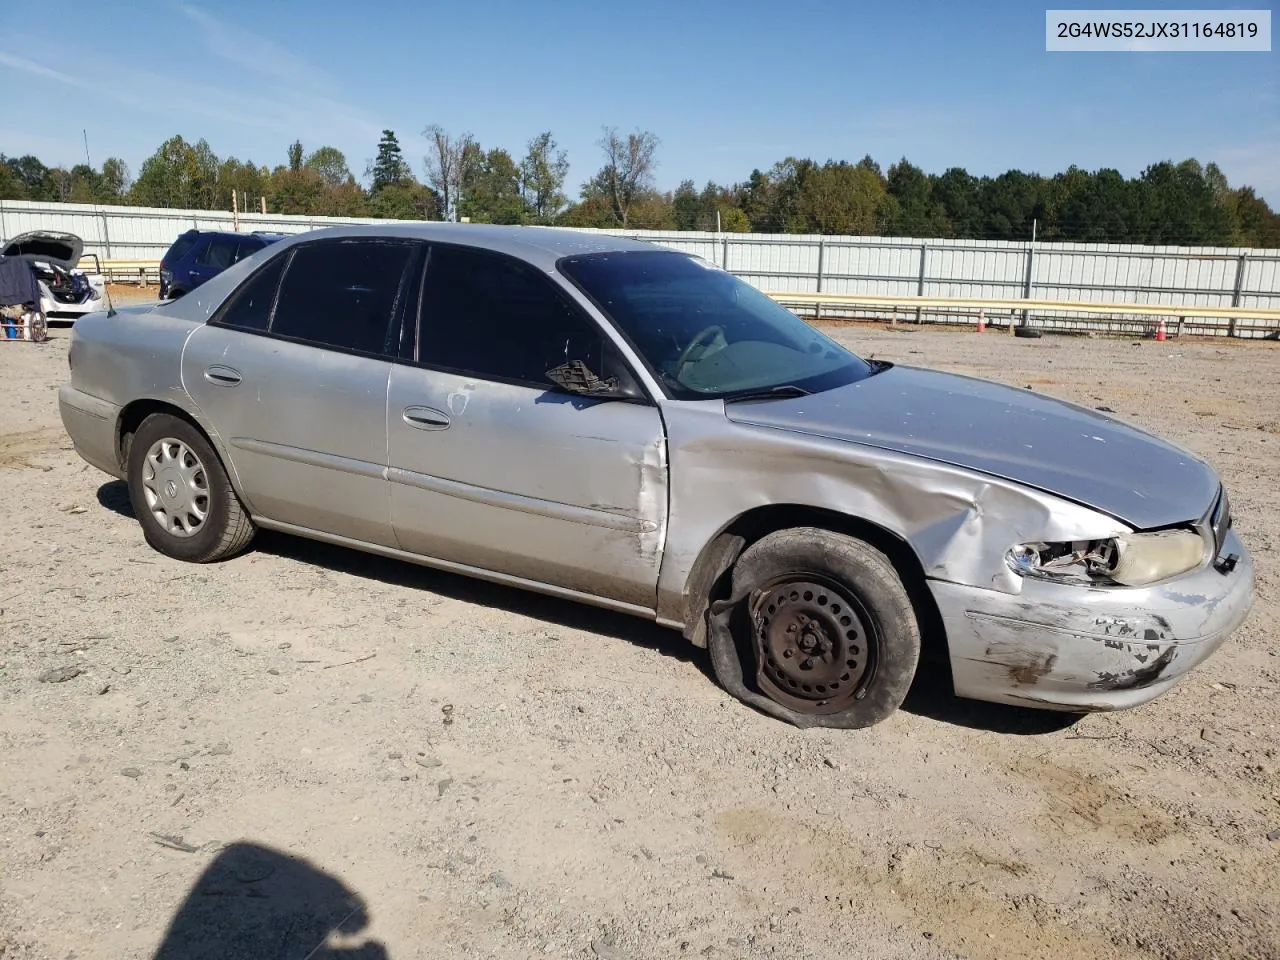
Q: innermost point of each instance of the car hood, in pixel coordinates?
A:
(62, 249)
(1058, 447)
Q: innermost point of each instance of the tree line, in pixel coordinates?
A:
(1184, 203)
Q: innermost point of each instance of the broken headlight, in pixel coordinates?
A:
(1132, 560)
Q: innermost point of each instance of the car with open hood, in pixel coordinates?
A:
(66, 291)
(628, 426)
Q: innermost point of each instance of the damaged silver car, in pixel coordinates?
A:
(604, 420)
(66, 291)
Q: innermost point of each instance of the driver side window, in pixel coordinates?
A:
(497, 318)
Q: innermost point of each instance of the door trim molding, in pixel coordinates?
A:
(314, 458)
(609, 519)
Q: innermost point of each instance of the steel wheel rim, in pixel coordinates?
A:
(815, 644)
(176, 487)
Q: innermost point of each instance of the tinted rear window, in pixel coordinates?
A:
(180, 247)
(250, 306)
(341, 293)
(219, 253)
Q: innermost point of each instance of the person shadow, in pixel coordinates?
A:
(255, 903)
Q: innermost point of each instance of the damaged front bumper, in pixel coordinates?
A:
(1081, 648)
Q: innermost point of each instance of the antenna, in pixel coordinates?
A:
(93, 196)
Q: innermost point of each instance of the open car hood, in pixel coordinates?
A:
(61, 249)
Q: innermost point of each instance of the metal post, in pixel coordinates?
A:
(822, 250)
(1026, 292)
(106, 236)
(1241, 266)
(924, 258)
(724, 257)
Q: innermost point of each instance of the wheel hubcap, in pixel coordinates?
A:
(812, 646)
(176, 487)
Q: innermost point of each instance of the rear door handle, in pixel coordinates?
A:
(426, 418)
(222, 376)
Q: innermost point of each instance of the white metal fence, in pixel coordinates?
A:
(1098, 273)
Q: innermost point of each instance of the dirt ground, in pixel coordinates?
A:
(308, 752)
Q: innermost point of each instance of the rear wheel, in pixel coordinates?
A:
(181, 495)
(819, 630)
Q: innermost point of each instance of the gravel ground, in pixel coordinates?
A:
(308, 752)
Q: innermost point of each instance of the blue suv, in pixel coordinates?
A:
(200, 255)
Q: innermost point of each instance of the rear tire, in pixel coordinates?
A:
(181, 494)
(821, 631)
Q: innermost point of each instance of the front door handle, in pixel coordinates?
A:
(222, 376)
(426, 418)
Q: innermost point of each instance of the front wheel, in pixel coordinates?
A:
(181, 494)
(819, 630)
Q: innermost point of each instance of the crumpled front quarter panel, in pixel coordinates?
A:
(959, 523)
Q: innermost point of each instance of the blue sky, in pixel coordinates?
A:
(727, 86)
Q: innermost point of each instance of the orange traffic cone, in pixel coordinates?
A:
(982, 320)
(1160, 331)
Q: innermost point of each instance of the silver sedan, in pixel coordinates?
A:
(608, 421)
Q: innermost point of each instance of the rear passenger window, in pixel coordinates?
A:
(180, 247)
(250, 306)
(342, 293)
(498, 318)
(247, 248)
(220, 253)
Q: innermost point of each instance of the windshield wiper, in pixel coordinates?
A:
(772, 393)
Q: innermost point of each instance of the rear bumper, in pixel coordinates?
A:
(91, 424)
(1067, 647)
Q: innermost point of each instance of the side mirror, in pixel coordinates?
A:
(576, 377)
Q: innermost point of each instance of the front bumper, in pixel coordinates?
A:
(1068, 647)
(57, 310)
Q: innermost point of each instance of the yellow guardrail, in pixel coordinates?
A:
(883, 302)
(135, 271)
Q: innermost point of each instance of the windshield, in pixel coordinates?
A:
(703, 332)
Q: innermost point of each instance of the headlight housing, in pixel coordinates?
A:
(1131, 560)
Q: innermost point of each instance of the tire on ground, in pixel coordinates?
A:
(227, 528)
(859, 569)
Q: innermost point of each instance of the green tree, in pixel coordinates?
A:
(389, 167)
(331, 164)
(492, 191)
(735, 220)
(1259, 224)
(115, 180)
(32, 174)
(11, 185)
(295, 156)
(1011, 202)
(85, 185)
(757, 201)
(163, 179)
(628, 168)
(542, 175)
(1177, 206)
(841, 198)
(915, 212)
(958, 192)
(408, 200)
(687, 206)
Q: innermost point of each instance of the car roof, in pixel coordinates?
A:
(539, 245)
(225, 233)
